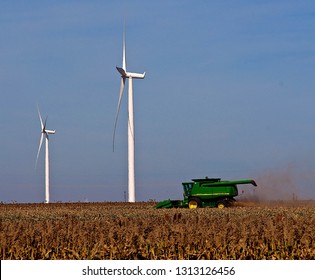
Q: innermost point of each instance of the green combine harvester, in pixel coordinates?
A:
(208, 192)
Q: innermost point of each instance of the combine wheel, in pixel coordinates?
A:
(221, 205)
(194, 202)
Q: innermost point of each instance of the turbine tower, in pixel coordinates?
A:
(131, 135)
(45, 132)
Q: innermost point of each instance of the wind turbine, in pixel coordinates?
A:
(131, 135)
(45, 132)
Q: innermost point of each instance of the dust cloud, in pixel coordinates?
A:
(288, 183)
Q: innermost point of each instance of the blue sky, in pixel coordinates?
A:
(229, 92)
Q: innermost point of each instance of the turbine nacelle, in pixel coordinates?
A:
(48, 131)
(125, 74)
(135, 75)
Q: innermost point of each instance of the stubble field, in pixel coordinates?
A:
(138, 231)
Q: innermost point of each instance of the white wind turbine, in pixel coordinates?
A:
(131, 135)
(45, 132)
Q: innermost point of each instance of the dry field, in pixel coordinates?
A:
(138, 231)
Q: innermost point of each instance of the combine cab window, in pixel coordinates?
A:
(187, 188)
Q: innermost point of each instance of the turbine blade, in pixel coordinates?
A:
(40, 145)
(40, 118)
(122, 86)
(44, 128)
(121, 71)
(124, 49)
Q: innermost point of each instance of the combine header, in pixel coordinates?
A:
(208, 192)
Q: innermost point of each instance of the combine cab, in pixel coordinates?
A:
(208, 192)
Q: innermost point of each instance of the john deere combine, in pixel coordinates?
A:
(208, 192)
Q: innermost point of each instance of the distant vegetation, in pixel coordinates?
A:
(138, 231)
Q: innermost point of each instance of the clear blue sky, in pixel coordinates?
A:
(229, 92)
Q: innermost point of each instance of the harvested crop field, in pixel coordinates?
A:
(138, 231)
